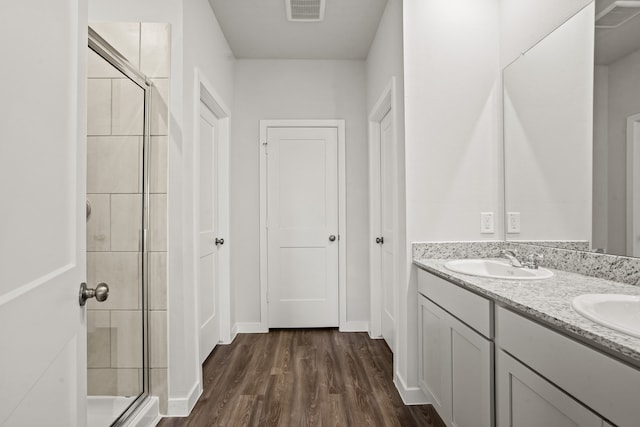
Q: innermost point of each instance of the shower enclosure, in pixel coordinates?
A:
(118, 145)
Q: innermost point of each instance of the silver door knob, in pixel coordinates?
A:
(100, 293)
(219, 241)
(332, 238)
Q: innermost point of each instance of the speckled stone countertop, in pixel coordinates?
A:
(549, 302)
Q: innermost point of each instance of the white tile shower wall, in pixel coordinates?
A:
(113, 164)
(114, 184)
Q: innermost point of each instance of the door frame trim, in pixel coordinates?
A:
(207, 95)
(633, 180)
(342, 214)
(387, 102)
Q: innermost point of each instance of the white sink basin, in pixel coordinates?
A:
(496, 269)
(619, 312)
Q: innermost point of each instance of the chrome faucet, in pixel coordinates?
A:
(533, 260)
(512, 256)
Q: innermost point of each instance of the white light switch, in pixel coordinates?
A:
(486, 222)
(513, 222)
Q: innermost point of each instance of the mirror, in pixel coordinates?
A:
(569, 126)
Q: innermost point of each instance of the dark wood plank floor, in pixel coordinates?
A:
(307, 377)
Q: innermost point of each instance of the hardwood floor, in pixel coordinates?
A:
(306, 377)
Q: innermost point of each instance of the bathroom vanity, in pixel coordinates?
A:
(511, 352)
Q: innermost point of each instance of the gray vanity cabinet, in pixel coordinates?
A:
(525, 399)
(455, 368)
(545, 378)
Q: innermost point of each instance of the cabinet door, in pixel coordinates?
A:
(471, 374)
(455, 368)
(435, 357)
(525, 399)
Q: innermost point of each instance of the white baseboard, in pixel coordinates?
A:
(147, 414)
(250, 328)
(355, 326)
(409, 395)
(378, 337)
(182, 406)
(234, 333)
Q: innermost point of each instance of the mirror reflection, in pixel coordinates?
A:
(616, 113)
(569, 132)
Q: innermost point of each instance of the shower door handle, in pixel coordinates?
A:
(100, 293)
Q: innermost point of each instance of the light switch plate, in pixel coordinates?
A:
(486, 222)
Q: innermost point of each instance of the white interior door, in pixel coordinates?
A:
(302, 227)
(387, 244)
(42, 187)
(208, 301)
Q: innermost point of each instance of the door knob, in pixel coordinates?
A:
(380, 240)
(100, 293)
(219, 241)
(332, 238)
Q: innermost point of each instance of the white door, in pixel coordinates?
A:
(387, 238)
(42, 221)
(208, 304)
(302, 227)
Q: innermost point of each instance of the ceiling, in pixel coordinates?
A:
(612, 44)
(259, 29)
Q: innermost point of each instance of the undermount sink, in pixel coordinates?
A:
(496, 269)
(619, 312)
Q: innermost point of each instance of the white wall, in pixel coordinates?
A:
(196, 41)
(204, 48)
(452, 81)
(296, 89)
(386, 60)
(523, 23)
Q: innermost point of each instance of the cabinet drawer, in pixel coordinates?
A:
(470, 308)
(609, 387)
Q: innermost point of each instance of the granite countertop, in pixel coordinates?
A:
(549, 302)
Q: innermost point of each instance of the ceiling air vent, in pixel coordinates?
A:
(305, 10)
(617, 14)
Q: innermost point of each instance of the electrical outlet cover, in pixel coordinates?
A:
(513, 222)
(486, 222)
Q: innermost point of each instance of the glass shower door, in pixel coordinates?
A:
(117, 352)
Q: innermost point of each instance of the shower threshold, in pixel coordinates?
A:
(104, 410)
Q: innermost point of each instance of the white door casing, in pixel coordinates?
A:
(42, 184)
(383, 202)
(302, 206)
(208, 295)
(387, 235)
(633, 185)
